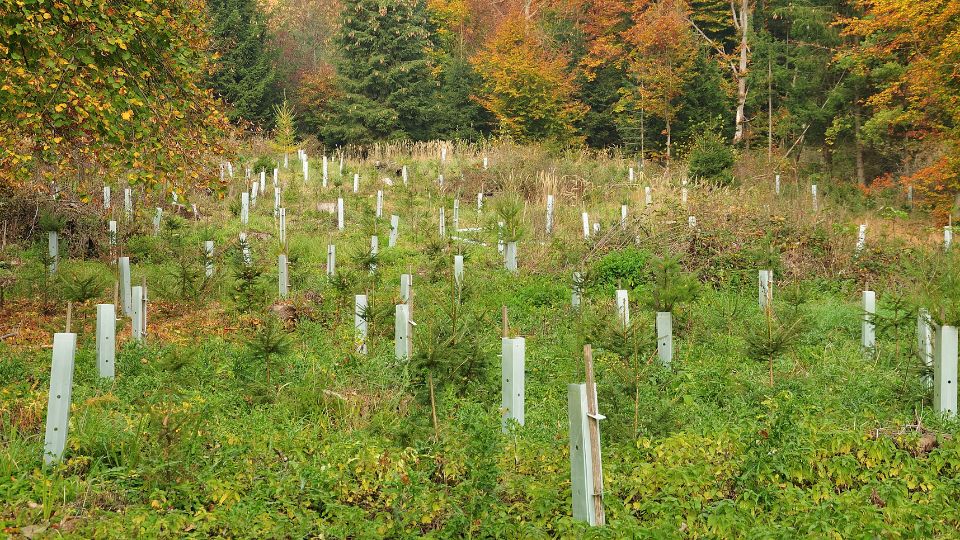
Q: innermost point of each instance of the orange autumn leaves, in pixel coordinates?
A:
(911, 50)
(529, 85)
(101, 89)
(526, 86)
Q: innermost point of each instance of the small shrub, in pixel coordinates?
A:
(626, 267)
(711, 160)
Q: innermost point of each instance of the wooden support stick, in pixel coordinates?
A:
(594, 428)
(506, 323)
(69, 315)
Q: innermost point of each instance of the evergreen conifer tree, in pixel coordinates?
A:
(387, 85)
(245, 76)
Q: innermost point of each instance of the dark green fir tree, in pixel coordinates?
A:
(245, 76)
(386, 81)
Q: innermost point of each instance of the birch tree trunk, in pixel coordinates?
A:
(741, 23)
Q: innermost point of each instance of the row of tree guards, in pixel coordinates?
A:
(938, 344)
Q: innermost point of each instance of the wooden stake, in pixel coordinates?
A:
(594, 427)
(69, 315)
(506, 324)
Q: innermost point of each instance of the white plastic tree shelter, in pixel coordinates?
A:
(623, 307)
(500, 244)
(156, 221)
(139, 315)
(106, 339)
(443, 223)
(244, 208)
(576, 292)
(623, 216)
(325, 172)
(331, 260)
(586, 470)
(510, 257)
(648, 195)
(665, 337)
(360, 322)
(394, 230)
(247, 257)
(106, 197)
(458, 270)
(128, 203)
(406, 282)
(456, 215)
(945, 371)
(586, 225)
(379, 203)
(208, 252)
(112, 232)
(765, 289)
(356, 182)
(340, 224)
(283, 226)
(813, 193)
(513, 352)
(549, 225)
(868, 339)
(126, 296)
(401, 332)
(283, 281)
(925, 340)
(947, 237)
(53, 250)
(58, 401)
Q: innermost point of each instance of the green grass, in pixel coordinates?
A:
(191, 441)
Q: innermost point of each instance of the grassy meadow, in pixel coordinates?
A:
(766, 424)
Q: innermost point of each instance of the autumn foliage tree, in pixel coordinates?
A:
(94, 89)
(660, 56)
(910, 51)
(526, 87)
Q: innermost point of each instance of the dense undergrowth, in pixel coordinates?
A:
(192, 440)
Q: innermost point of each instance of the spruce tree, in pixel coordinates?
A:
(245, 76)
(385, 77)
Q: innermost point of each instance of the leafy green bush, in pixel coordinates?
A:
(627, 268)
(711, 160)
